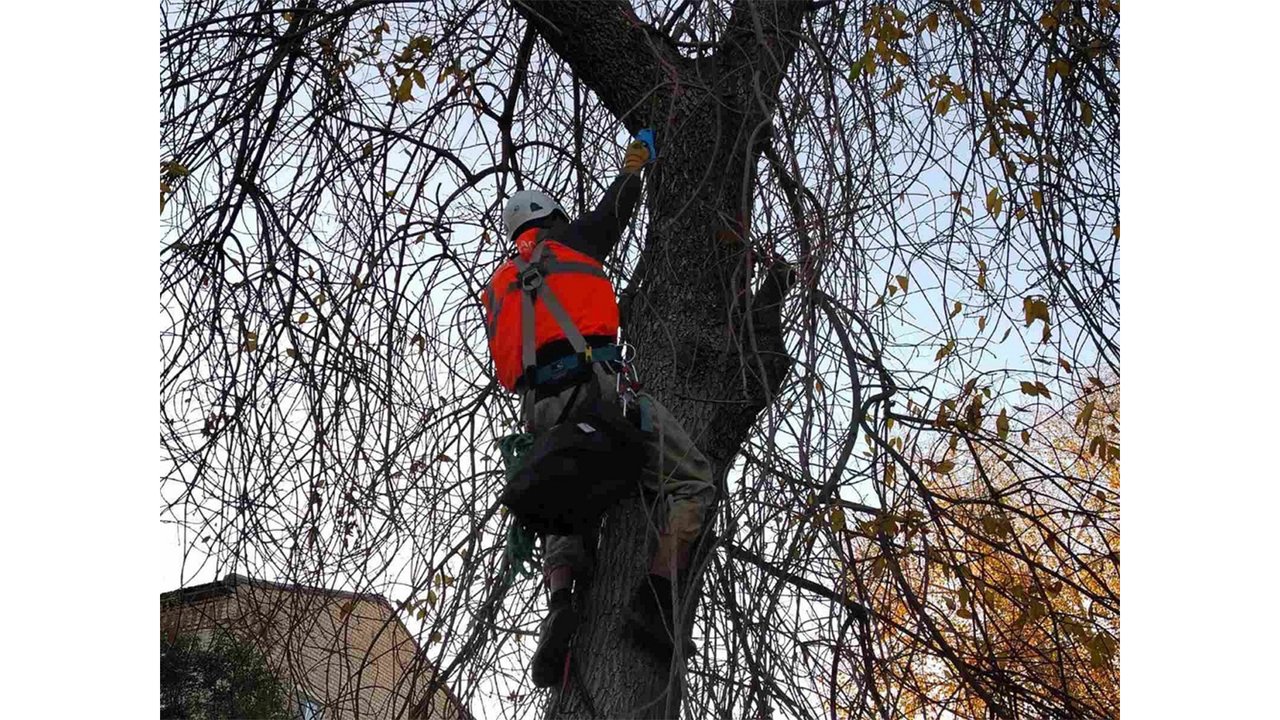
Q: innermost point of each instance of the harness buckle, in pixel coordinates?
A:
(531, 279)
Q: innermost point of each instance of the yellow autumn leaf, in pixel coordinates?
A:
(944, 467)
(943, 105)
(1037, 199)
(982, 323)
(894, 88)
(837, 519)
(956, 308)
(303, 318)
(945, 350)
(976, 6)
(1056, 68)
(903, 281)
(404, 93)
(1035, 309)
(994, 202)
(1002, 424)
(1086, 414)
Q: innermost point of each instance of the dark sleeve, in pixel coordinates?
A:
(598, 231)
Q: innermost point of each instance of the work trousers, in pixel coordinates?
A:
(676, 473)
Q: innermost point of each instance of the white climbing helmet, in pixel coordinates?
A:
(526, 205)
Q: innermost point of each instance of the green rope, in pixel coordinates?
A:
(520, 542)
(513, 447)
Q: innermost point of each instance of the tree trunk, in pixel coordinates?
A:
(709, 349)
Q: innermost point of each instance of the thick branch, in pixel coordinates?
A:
(627, 63)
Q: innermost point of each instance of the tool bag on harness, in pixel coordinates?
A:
(577, 469)
(592, 457)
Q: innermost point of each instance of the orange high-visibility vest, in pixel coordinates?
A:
(579, 283)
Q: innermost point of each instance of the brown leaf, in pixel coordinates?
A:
(945, 350)
(994, 202)
(1086, 414)
(404, 92)
(1035, 309)
(837, 519)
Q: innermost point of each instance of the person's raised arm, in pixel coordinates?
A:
(598, 231)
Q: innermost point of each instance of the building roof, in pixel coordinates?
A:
(227, 585)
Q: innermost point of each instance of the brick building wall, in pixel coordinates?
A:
(347, 653)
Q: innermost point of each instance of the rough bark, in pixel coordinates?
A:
(710, 350)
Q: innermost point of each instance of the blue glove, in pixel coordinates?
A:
(646, 136)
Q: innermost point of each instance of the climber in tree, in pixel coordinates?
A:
(578, 300)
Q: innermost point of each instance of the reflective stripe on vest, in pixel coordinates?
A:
(574, 286)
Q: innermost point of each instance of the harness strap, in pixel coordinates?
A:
(534, 286)
(492, 308)
(567, 365)
(554, 264)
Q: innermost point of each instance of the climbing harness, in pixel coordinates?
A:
(532, 281)
(573, 278)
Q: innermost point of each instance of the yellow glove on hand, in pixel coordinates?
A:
(636, 157)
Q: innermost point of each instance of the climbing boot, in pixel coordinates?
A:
(553, 641)
(649, 617)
